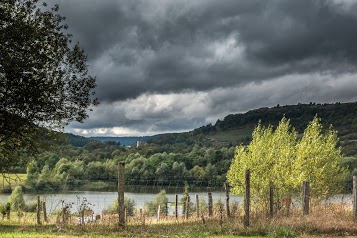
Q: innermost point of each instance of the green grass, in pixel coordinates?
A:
(172, 229)
(333, 220)
(54, 235)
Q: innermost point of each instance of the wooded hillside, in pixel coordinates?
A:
(236, 129)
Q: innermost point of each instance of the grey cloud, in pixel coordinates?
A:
(295, 30)
(277, 37)
(152, 114)
(234, 55)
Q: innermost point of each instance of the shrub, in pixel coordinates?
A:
(17, 200)
(218, 205)
(202, 205)
(161, 199)
(5, 210)
(129, 205)
(31, 207)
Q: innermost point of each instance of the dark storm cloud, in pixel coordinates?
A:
(172, 43)
(148, 47)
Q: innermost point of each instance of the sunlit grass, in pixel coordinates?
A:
(326, 221)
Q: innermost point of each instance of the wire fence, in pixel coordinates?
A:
(100, 202)
(69, 206)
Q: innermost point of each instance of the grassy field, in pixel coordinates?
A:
(324, 221)
(69, 231)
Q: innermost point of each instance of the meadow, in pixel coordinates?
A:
(325, 220)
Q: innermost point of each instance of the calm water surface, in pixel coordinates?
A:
(100, 201)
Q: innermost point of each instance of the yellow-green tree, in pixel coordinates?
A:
(317, 161)
(278, 156)
(268, 156)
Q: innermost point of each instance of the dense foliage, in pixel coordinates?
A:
(94, 166)
(279, 156)
(44, 80)
(166, 160)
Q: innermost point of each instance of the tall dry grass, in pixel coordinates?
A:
(324, 219)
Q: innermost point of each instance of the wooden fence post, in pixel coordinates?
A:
(227, 188)
(64, 210)
(271, 200)
(38, 210)
(210, 202)
(306, 197)
(247, 198)
(44, 211)
(166, 209)
(197, 206)
(158, 213)
(354, 192)
(142, 217)
(176, 208)
(187, 207)
(121, 188)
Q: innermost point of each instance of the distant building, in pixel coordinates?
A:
(139, 143)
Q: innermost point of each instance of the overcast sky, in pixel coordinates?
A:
(175, 65)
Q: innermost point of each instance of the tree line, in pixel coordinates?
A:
(281, 157)
(94, 166)
(272, 152)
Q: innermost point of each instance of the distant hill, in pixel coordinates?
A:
(80, 141)
(124, 141)
(76, 140)
(236, 129)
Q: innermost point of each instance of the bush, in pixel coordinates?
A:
(202, 205)
(31, 207)
(161, 199)
(129, 205)
(218, 205)
(17, 200)
(186, 195)
(5, 210)
(2, 210)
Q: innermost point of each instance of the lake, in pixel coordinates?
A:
(100, 201)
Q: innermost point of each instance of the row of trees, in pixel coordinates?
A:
(283, 157)
(280, 155)
(73, 168)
